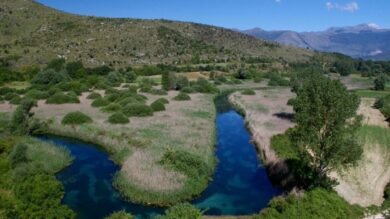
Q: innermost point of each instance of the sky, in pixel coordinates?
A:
(297, 15)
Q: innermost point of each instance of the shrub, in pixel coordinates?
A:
(118, 118)
(112, 107)
(114, 78)
(61, 98)
(182, 97)
(283, 147)
(188, 90)
(112, 97)
(10, 96)
(50, 77)
(157, 106)
(248, 92)
(93, 96)
(137, 109)
(317, 203)
(203, 86)
(120, 215)
(162, 100)
(129, 100)
(21, 118)
(276, 79)
(158, 92)
(383, 104)
(37, 94)
(76, 118)
(182, 211)
(18, 155)
(99, 102)
(16, 100)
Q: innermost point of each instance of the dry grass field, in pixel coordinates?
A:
(365, 183)
(264, 115)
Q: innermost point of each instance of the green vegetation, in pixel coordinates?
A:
(322, 108)
(283, 147)
(76, 118)
(21, 123)
(137, 110)
(371, 93)
(28, 188)
(248, 92)
(383, 104)
(182, 97)
(120, 215)
(94, 96)
(158, 105)
(118, 118)
(112, 107)
(317, 203)
(62, 98)
(182, 211)
(99, 102)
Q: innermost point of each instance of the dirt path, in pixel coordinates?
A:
(365, 183)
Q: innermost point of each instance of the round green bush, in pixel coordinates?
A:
(37, 94)
(162, 100)
(112, 97)
(112, 107)
(118, 118)
(76, 118)
(157, 106)
(248, 92)
(93, 96)
(61, 98)
(137, 109)
(99, 102)
(182, 97)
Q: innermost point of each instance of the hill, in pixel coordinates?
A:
(362, 41)
(34, 33)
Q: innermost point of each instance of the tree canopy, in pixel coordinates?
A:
(325, 114)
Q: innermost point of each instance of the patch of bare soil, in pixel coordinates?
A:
(364, 184)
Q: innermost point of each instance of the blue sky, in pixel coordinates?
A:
(298, 15)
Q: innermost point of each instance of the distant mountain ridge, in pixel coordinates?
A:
(366, 41)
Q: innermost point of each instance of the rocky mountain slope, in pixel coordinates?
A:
(35, 33)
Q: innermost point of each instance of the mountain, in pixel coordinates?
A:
(34, 34)
(366, 41)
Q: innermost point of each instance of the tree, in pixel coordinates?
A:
(380, 82)
(242, 74)
(325, 113)
(21, 119)
(168, 80)
(344, 67)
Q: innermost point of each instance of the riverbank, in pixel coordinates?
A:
(267, 114)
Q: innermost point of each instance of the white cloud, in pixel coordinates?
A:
(349, 7)
(278, 1)
(376, 52)
(374, 25)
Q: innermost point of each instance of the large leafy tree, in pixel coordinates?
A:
(326, 124)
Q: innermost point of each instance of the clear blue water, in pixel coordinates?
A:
(240, 185)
